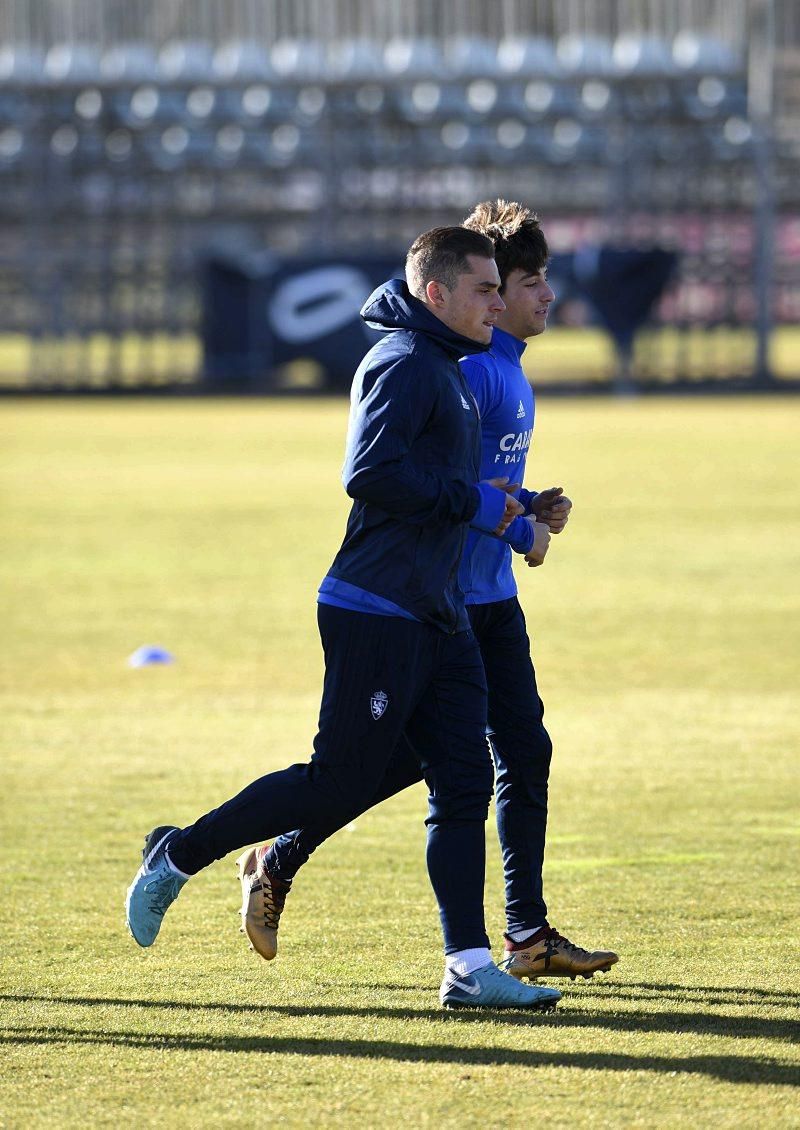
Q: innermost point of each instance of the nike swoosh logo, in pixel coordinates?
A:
(473, 990)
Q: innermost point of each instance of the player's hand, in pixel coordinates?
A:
(541, 543)
(557, 515)
(552, 506)
(544, 500)
(513, 508)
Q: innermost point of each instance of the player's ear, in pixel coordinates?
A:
(436, 293)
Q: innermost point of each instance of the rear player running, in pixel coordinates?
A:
(520, 743)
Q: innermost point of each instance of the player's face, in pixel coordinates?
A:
(473, 306)
(527, 298)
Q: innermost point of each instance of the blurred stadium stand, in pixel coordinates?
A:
(138, 136)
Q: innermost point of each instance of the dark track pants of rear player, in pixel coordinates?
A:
(522, 751)
(435, 692)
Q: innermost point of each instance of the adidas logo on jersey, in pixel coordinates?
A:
(464, 402)
(521, 411)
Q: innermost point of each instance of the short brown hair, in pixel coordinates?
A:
(440, 255)
(519, 242)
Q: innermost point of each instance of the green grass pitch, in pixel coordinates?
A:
(666, 636)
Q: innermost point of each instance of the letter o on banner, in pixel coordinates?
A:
(317, 303)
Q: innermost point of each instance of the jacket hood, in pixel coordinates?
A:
(392, 306)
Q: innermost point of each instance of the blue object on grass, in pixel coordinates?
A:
(149, 654)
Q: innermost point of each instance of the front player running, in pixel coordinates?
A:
(520, 743)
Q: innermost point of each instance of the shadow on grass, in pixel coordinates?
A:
(701, 994)
(744, 1026)
(605, 989)
(731, 1069)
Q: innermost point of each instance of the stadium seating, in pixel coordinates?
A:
(303, 142)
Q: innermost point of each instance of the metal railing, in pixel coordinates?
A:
(134, 137)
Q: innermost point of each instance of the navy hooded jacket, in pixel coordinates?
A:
(412, 463)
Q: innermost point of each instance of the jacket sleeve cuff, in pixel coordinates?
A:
(491, 508)
(519, 535)
(526, 497)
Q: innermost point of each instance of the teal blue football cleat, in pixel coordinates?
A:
(489, 987)
(154, 888)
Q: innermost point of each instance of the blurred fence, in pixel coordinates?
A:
(139, 139)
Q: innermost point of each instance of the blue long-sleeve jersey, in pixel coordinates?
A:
(507, 407)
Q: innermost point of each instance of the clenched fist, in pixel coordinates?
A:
(513, 508)
(541, 542)
(552, 506)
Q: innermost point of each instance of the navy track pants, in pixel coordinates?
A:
(385, 677)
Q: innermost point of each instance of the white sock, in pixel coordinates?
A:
(521, 935)
(172, 866)
(463, 962)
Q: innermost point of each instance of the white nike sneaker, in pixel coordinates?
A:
(489, 987)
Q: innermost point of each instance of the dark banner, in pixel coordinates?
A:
(261, 313)
(259, 319)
